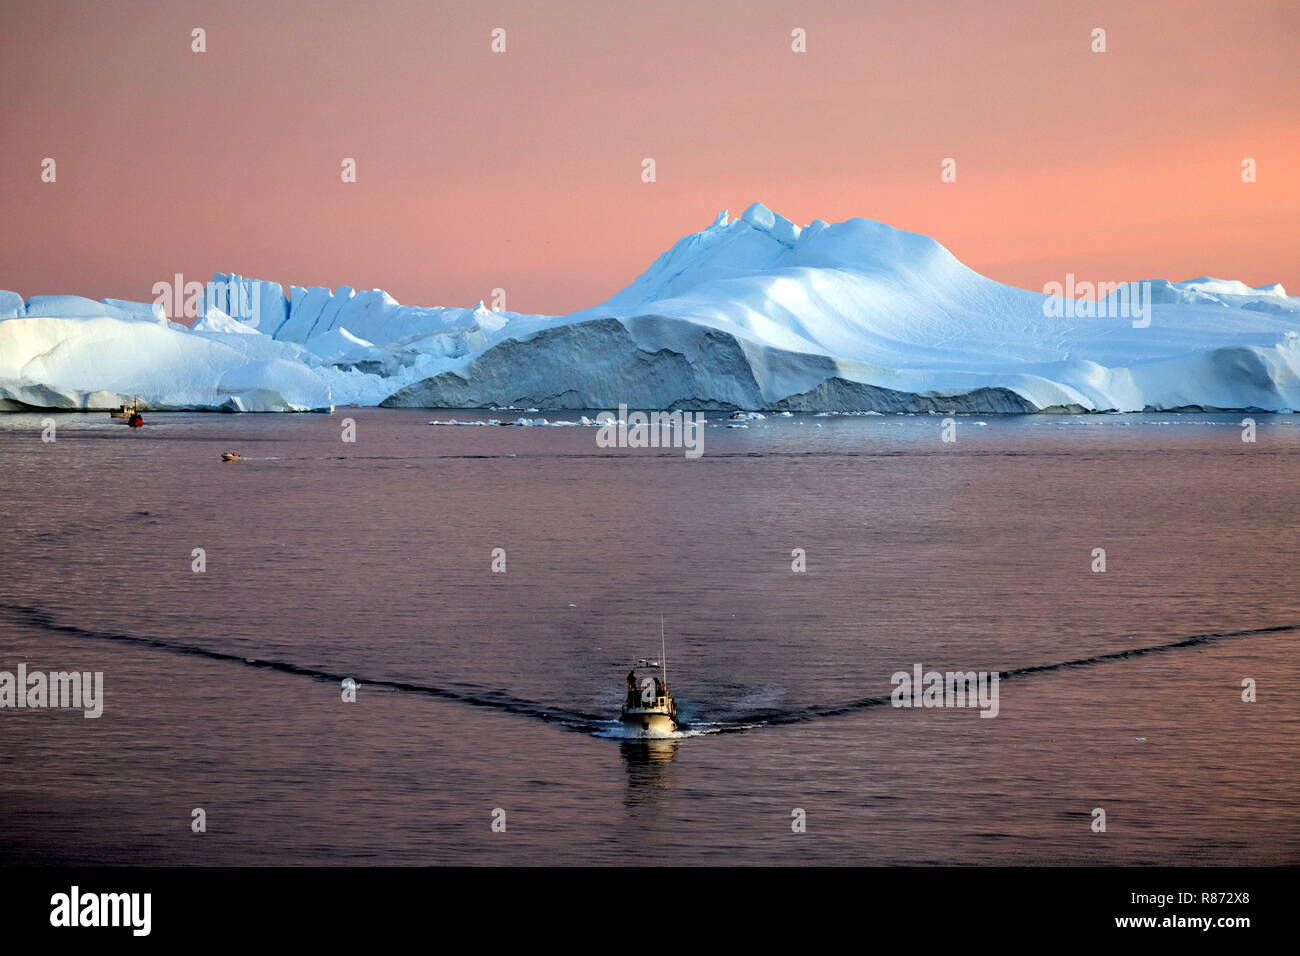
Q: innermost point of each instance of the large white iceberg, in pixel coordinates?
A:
(97, 362)
(760, 313)
(752, 313)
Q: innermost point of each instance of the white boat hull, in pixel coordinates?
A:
(649, 724)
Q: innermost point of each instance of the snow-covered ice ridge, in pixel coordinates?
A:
(752, 313)
(280, 355)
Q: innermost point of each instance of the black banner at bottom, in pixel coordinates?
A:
(605, 907)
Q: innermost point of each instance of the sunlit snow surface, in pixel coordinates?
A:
(750, 313)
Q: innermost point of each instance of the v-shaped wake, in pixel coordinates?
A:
(583, 721)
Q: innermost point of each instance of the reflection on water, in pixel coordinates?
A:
(648, 763)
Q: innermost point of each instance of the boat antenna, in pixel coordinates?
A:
(663, 652)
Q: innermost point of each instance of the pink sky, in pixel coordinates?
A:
(522, 170)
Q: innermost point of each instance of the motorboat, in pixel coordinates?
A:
(649, 709)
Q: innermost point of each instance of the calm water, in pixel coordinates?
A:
(373, 560)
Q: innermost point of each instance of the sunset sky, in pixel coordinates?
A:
(522, 169)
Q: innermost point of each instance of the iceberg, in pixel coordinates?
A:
(99, 362)
(755, 312)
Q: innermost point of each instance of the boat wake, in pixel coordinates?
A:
(597, 725)
(617, 730)
(461, 694)
(821, 711)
